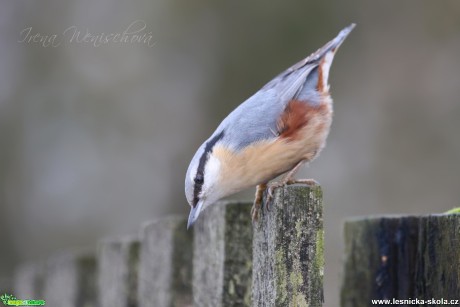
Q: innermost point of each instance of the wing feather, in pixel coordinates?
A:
(256, 119)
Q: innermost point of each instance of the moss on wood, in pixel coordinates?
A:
(288, 249)
(223, 256)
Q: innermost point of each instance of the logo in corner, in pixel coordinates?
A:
(11, 300)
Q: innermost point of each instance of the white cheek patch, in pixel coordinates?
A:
(212, 171)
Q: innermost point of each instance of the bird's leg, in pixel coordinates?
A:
(287, 180)
(258, 201)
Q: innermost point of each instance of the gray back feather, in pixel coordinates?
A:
(256, 118)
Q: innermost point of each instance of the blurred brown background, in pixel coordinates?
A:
(96, 140)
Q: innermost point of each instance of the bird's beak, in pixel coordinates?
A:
(194, 213)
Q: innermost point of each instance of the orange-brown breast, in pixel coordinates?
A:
(302, 130)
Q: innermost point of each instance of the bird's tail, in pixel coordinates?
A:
(310, 73)
(330, 46)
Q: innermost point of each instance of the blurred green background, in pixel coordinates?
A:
(96, 140)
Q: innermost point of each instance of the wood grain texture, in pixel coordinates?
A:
(401, 257)
(118, 266)
(288, 249)
(222, 256)
(70, 280)
(165, 274)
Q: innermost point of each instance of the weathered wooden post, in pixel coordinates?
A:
(70, 280)
(28, 281)
(222, 256)
(118, 266)
(165, 271)
(401, 257)
(288, 249)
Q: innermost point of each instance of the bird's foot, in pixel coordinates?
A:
(287, 181)
(270, 188)
(258, 202)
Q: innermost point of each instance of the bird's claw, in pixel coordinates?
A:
(257, 202)
(272, 186)
(255, 212)
(270, 189)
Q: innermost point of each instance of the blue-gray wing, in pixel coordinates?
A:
(256, 118)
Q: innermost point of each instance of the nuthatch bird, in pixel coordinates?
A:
(278, 129)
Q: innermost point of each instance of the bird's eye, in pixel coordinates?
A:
(199, 179)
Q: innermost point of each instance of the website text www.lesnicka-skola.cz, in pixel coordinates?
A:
(416, 301)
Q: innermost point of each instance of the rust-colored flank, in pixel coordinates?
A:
(296, 115)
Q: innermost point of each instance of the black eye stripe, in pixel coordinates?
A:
(199, 177)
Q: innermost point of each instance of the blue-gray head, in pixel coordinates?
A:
(202, 178)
